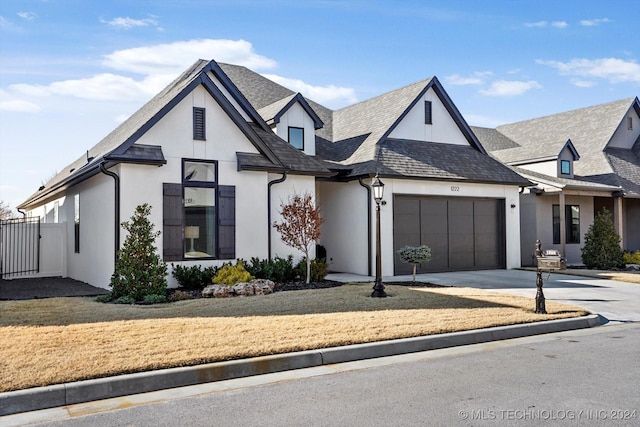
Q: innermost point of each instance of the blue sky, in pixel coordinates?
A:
(72, 70)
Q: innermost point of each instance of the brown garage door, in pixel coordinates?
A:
(463, 233)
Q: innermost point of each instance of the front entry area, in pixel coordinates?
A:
(463, 233)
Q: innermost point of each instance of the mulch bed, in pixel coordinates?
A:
(417, 284)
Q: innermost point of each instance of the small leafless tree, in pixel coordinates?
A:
(300, 226)
(5, 211)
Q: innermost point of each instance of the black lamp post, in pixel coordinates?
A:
(378, 192)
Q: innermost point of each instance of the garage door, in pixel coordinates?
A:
(463, 233)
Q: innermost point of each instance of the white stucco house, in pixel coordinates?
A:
(217, 151)
(581, 162)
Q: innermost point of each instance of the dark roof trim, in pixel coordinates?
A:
(235, 93)
(572, 147)
(237, 118)
(429, 178)
(317, 122)
(451, 108)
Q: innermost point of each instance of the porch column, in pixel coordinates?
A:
(617, 219)
(563, 225)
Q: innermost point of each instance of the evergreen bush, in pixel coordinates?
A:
(231, 274)
(318, 269)
(190, 278)
(415, 255)
(631, 257)
(139, 270)
(602, 244)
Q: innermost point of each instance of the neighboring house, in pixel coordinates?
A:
(217, 151)
(581, 162)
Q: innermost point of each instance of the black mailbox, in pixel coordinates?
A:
(551, 260)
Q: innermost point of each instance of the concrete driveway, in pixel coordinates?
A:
(616, 301)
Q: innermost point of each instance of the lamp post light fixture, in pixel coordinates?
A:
(378, 192)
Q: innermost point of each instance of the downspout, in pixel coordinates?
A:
(369, 250)
(275, 181)
(24, 214)
(116, 181)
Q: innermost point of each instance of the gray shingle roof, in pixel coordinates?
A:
(419, 159)
(589, 129)
(578, 183)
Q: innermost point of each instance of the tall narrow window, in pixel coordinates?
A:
(572, 224)
(630, 123)
(565, 167)
(200, 216)
(296, 137)
(199, 131)
(76, 223)
(427, 113)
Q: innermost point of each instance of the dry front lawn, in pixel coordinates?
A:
(58, 340)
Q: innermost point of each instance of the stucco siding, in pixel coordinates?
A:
(296, 116)
(344, 232)
(444, 129)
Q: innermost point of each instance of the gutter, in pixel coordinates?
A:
(116, 181)
(369, 239)
(271, 183)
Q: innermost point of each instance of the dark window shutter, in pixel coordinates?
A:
(427, 113)
(199, 123)
(226, 222)
(172, 246)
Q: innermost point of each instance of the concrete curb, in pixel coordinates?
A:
(104, 388)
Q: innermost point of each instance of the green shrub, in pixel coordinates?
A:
(278, 269)
(139, 269)
(154, 299)
(104, 298)
(208, 274)
(125, 299)
(190, 278)
(231, 274)
(318, 269)
(415, 255)
(631, 257)
(180, 296)
(602, 244)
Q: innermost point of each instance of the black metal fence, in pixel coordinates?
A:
(19, 247)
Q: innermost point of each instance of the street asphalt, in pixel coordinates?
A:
(613, 301)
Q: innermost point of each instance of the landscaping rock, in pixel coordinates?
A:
(243, 289)
(263, 286)
(216, 291)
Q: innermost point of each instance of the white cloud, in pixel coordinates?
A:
(475, 79)
(582, 83)
(101, 87)
(175, 57)
(539, 24)
(594, 22)
(19, 106)
(29, 16)
(331, 95)
(543, 24)
(510, 87)
(612, 69)
(127, 23)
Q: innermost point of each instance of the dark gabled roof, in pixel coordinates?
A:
(431, 160)
(118, 146)
(273, 112)
(291, 159)
(626, 168)
(492, 140)
(259, 91)
(590, 129)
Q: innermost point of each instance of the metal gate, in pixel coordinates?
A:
(19, 247)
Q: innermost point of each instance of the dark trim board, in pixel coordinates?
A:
(464, 233)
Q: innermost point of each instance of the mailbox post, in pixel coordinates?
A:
(549, 260)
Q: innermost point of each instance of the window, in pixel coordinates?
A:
(296, 137)
(572, 224)
(427, 113)
(630, 123)
(199, 124)
(565, 167)
(199, 195)
(76, 221)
